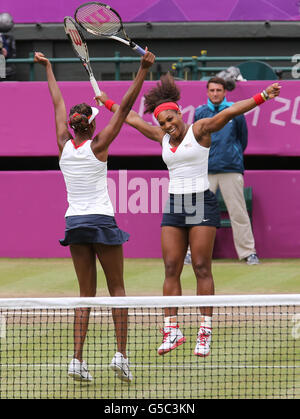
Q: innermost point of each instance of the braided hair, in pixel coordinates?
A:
(164, 91)
(78, 117)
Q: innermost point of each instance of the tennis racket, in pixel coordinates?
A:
(101, 20)
(81, 50)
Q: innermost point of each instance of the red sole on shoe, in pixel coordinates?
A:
(202, 355)
(178, 343)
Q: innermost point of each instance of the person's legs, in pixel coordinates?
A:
(202, 242)
(112, 262)
(111, 259)
(84, 261)
(174, 241)
(213, 186)
(232, 189)
(174, 245)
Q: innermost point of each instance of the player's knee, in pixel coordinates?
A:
(201, 270)
(117, 291)
(171, 268)
(90, 292)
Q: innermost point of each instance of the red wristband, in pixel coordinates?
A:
(109, 104)
(259, 99)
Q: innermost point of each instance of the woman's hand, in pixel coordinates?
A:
(101, 98)
(40, 58)
(273, 90)
(147, 59)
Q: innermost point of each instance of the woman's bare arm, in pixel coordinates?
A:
(134, 120)
(62, 132)
(102, 140)
(209, 125)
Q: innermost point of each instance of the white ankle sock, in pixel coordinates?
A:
(170, 321)
(206, 321)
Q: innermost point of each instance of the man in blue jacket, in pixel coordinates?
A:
(226, 168)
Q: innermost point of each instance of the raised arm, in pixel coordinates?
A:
(133, 119)
(62, 132)
(209, 125)
(102, 140)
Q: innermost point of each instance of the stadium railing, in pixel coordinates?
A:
(197, 66)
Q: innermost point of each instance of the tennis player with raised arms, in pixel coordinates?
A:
(91, 229)
(185, 151)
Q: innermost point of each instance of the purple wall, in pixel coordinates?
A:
(33, 203)
(29, 130)
(159, 10)
(33, 206)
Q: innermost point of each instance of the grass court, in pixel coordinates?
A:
(249, 358)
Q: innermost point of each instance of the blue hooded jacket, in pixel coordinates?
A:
(228, 144)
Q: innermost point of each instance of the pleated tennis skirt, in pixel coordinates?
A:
(188, 210)
(81, 229)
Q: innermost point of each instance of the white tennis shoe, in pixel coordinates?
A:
(79, 371)
(120, 366)
(203, 342)
(172, 338)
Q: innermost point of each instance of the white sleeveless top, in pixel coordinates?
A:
(188, 165)
(86, 180)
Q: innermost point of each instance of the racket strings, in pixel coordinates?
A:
(98, 19)
(76, 39)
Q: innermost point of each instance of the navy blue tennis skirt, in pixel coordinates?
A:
(93, 229)
(188, 210)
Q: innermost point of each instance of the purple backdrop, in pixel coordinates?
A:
(159, 10)
(33, 206)
(27, 122)
(33, 203)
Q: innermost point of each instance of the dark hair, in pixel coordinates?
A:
(217, 80)
(79, 117)
(165, 91)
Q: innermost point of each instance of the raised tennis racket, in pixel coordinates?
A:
(101, 20)
(81, 50)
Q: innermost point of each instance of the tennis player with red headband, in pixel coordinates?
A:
(91, 229)
(191, 215)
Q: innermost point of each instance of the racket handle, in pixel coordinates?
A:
(96, 89)
(137, 48)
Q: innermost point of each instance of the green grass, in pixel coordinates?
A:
(56, 277)
(249, 360)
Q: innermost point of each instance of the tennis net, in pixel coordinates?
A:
(255, 349)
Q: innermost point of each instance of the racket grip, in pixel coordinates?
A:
(138, 49)
(96, 89)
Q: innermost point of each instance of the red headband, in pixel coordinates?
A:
(165, 107)
(91, 117)
(78, 114)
